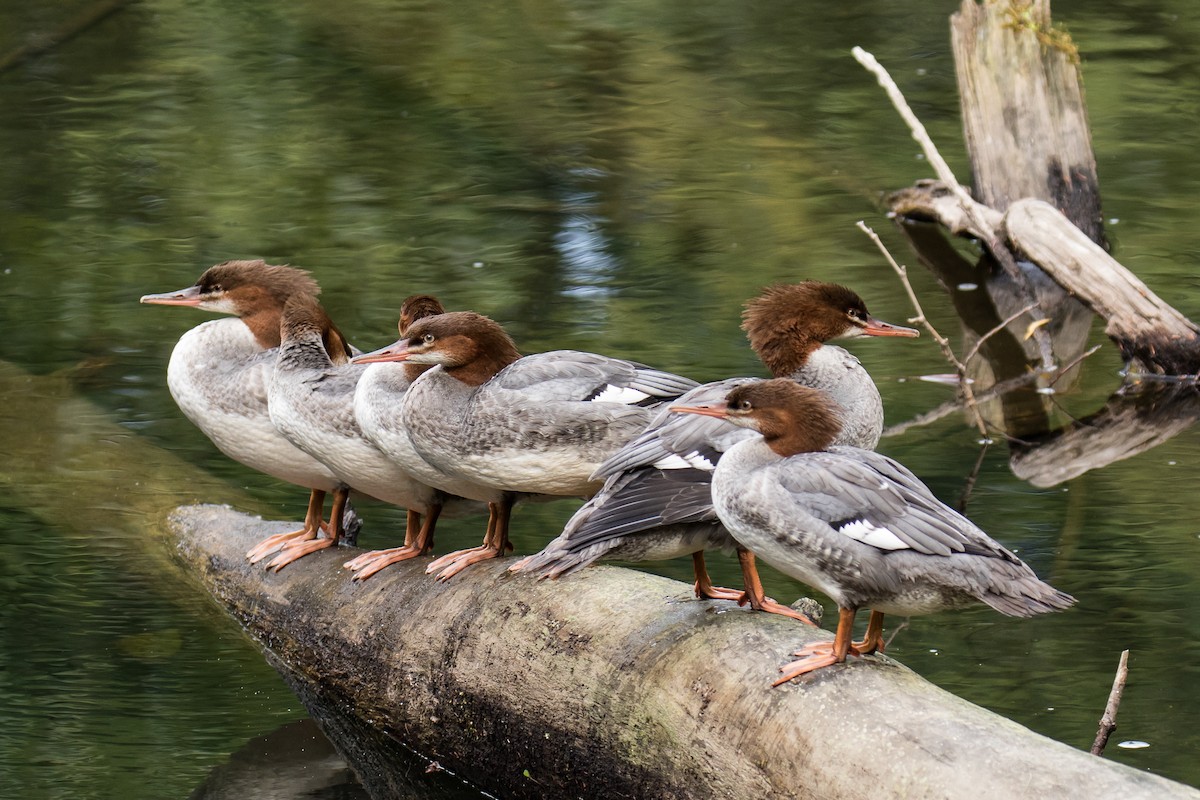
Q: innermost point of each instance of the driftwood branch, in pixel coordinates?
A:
(976, 218)
(1144, 326)
(1108, 722)
(619, 685)
(1027, 135)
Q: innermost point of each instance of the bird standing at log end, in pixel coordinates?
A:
(220, 372)
(853, 523)
(377, 401)
(311, 401)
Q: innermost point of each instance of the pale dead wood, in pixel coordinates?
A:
(620, 685)
(976, 219)
(1108, 722)
(1144, 326)
(1024, 117)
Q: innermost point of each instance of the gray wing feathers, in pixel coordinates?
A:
(847, 484)
(681, 434)
(575, 375)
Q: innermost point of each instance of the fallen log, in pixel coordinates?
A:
(616, 684)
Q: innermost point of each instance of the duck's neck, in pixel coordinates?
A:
(264, 324)
(303, 349)
(785, 357)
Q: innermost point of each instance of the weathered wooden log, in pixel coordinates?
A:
(1146, 328)
(616, 684)
(1028, 140)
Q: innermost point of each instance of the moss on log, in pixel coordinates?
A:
(615, 684)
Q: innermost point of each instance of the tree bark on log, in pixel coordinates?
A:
(616, 684)
(1146, 328)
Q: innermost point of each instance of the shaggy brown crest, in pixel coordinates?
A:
(418, 306)
(787, 322)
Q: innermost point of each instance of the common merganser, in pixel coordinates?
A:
(656, 502)
(311, 401)
(515, 426)
(377, 402)
(853, 523)
(220, 371)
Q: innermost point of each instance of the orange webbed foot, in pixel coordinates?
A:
(453, 563)
(367, 564)
(813, 657)
(771, 606)
(272, 544)
(298, 550)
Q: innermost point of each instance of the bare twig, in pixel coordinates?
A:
(951, 406)
(942, 342)
(975, 212)
(974, 351)
(1075, 362)
(1108, 722)
(969, 486)
(895, 632)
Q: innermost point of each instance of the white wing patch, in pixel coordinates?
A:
(863, 531)
(692, 460)
(620, 394)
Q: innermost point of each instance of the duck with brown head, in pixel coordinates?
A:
(377, 401)
(220, 371)
(852, 523)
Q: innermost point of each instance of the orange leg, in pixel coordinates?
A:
(495, 544)
(312, 524)
(756, 597)
(704, 586)
(822, 654)
(293, 551)
(417, 544)
(872, 642)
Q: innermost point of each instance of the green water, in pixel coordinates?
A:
(615, 177)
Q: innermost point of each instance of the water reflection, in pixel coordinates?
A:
(292, 762)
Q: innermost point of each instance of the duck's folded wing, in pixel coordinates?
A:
(872, 499)
(576, 375)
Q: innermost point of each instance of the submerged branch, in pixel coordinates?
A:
(964, 383)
